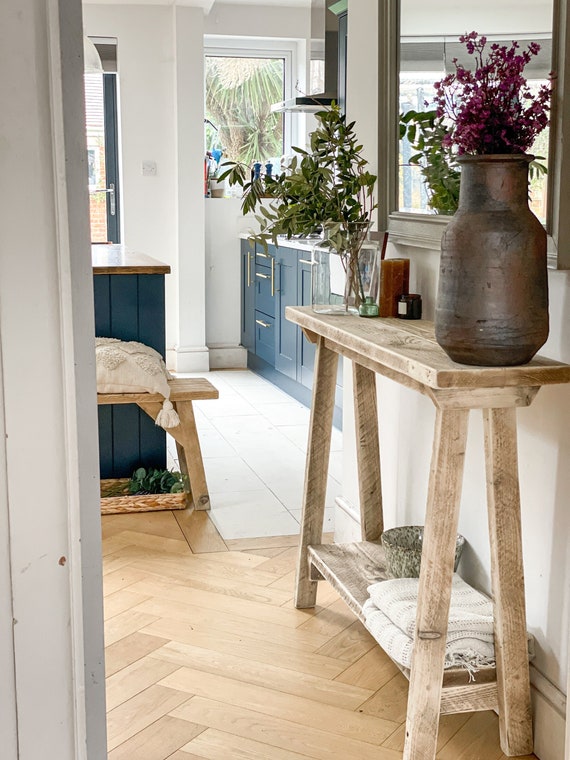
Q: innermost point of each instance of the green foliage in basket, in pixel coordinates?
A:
(154, 480)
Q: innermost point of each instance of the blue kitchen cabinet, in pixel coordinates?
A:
(285, 295)
(278, 349)
(305, 349)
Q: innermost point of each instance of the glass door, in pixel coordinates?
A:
(102, 154)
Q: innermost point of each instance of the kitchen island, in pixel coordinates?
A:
(129, 300)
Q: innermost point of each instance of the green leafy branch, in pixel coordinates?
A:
(326, 187)
(438, 165)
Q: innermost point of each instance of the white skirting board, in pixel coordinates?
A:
(548, 702)
(228, 357)
(549, 717)
(188, 359)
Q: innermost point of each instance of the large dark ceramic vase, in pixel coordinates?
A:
(492, 302)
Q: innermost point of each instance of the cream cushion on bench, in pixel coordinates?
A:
(132, 367)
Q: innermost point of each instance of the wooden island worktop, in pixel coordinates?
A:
(118, 259)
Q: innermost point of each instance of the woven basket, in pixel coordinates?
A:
(115, 499)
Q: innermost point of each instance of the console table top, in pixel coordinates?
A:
(406, 350)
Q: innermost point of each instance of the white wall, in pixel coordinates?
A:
(160, 67)
(159, 60)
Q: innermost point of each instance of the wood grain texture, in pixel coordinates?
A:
(114, 258)
(200, 532)
(157, 741)
(297, 686)
(367, 453)
(318, 453)
(181, 389)
(434, 591)
(350, 569)
(471, 698)
(507, 578)
(412, 351)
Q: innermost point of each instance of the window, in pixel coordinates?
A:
(240, 88)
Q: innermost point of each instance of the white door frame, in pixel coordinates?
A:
(51, 624)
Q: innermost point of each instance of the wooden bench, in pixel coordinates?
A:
(183, 391)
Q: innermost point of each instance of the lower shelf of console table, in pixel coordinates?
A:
(350, 569)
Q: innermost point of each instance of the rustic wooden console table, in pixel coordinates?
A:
(406, 351)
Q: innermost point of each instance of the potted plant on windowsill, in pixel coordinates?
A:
(326, 188)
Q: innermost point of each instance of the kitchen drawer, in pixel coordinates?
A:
(262, 258)
(265, 337)
(265, 289)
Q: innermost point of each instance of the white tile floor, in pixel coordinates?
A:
(253, 440)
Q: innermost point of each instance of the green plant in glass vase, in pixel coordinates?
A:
(326, 187)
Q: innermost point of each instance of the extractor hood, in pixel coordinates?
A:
(323, 72)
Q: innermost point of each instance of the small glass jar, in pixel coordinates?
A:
(410, 306)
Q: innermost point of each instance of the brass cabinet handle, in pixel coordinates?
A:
(263, 276)
(249, 280)
(306, 261)
(264, 255)
(261, 323)
(272, 277)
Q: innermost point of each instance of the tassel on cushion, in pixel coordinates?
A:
(167, 417)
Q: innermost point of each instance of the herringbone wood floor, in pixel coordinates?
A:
(208, 659)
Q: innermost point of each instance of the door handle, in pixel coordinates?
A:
(263, 276)
(112, 201)
(261, 323)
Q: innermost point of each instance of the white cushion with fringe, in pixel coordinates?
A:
(390, 615)
(131, 367)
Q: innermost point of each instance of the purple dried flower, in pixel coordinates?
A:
(491, 108)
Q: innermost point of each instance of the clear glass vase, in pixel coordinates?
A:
(345, 282)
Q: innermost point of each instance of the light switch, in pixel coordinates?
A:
(149, 168)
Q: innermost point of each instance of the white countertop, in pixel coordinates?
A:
(300, 244)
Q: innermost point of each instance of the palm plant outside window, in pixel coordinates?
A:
(239, 94)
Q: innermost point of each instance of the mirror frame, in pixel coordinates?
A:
(425, 231)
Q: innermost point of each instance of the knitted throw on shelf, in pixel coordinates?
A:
(131, 367)
(390, 615)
